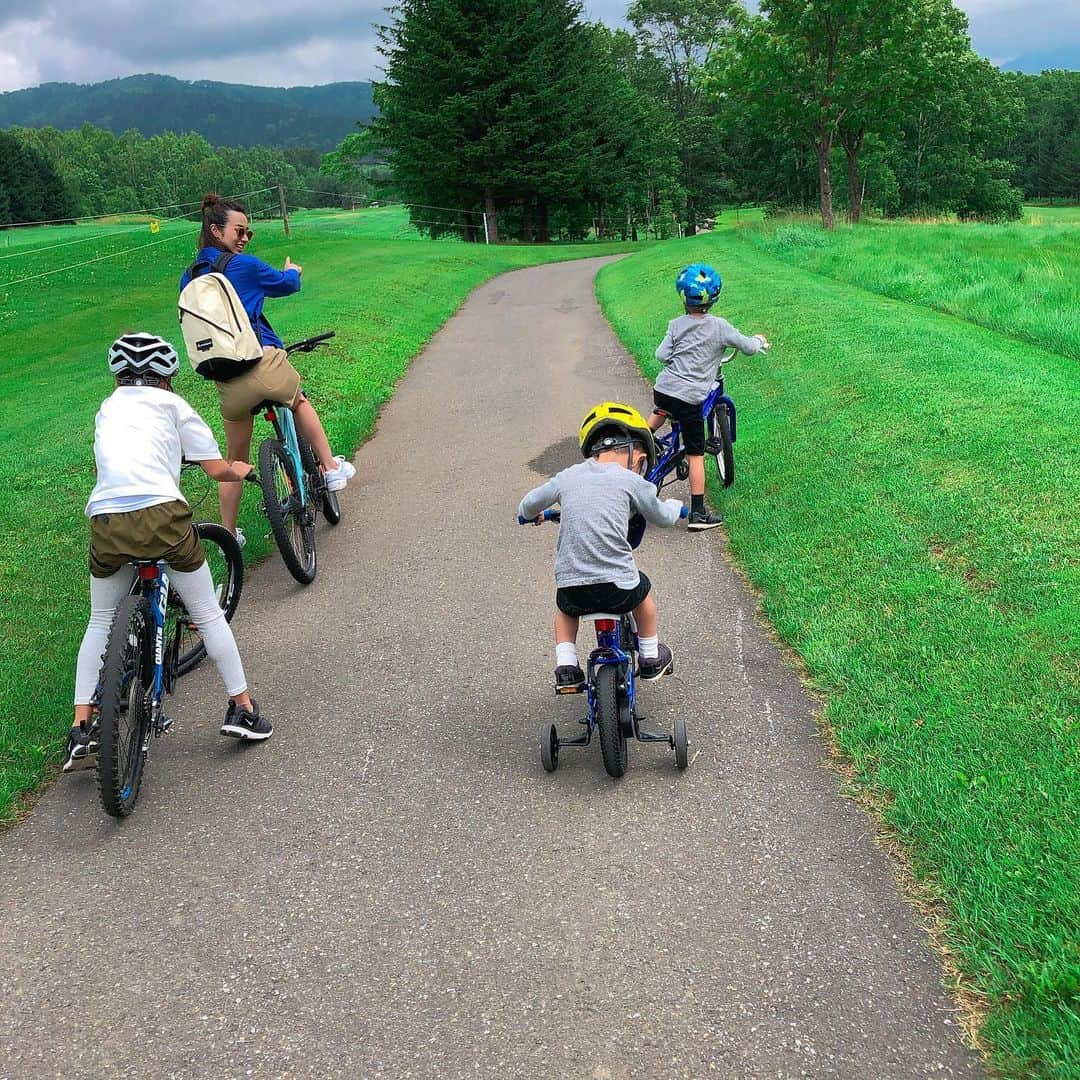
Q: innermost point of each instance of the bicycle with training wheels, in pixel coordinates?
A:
(152, 642)
(718, 414)
(610, 690)
(294, 490)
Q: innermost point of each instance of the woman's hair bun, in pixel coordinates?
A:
(211, 198)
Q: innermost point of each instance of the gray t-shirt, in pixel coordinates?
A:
(690, 353)
(596, 502)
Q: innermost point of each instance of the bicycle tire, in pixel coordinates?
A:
(680, 744)
(725, 455)
(227, 570)
(612, 739)
(295, 538)
(328, 500)
(124, 723)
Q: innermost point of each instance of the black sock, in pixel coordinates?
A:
(697, 504)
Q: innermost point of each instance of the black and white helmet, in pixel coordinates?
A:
(143, 354)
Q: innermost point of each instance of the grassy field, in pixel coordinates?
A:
(56, 332)
(1022, 280)
(907, 503)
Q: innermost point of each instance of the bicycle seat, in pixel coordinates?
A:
(597, 615)
(264, 405)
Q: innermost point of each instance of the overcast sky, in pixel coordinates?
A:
(285, 43)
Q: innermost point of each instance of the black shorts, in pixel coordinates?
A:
(689, 416)
(578, 600)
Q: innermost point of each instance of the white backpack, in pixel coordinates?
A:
(221, 343)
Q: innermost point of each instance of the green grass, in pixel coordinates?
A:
(1022, 280)
(56, 332)
(906, 502)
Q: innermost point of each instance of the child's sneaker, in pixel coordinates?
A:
(661, 665)
(569, 679)
(241, 539)
(337, 478)
(244, 724)
(703, 519)
(82, 749)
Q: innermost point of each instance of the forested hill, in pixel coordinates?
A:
(227, 114)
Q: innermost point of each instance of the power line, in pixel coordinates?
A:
(88, 262)
(123, 213)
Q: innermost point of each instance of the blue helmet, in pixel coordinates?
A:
(699, 285)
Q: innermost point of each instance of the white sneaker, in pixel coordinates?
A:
(241, 539)
(337, 478)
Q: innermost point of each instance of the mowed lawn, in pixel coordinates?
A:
(384, 297)
(907, 501)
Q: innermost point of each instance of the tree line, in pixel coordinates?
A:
(553, 126)
(47, 174)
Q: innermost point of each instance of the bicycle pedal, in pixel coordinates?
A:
(165, 726)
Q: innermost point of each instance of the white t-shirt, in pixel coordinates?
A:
(140, 435)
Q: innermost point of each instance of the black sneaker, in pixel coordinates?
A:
(242, 724)
(653, 669)
(704, 519)
(82, 749)
(569, 679)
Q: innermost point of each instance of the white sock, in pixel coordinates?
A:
(566, 654)
(648, 647)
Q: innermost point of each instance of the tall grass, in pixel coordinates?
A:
(907, 502)
(1022, 280)
(56, 332)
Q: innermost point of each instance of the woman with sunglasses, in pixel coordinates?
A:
(225, 229)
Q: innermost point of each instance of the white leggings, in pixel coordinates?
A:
(196, 590)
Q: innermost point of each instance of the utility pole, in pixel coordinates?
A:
(284, 209)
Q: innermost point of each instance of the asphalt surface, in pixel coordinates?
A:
(392, 886)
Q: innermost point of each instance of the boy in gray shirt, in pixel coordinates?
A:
(594, 563)
(690, 353)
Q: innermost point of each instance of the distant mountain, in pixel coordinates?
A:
(227, 114)
(1066, 58)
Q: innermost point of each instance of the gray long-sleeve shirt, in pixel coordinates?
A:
(597, 501)
(690, 353)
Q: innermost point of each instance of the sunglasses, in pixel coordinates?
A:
(241, 230)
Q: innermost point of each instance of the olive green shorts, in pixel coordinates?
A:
(273, 378)
(158, 532)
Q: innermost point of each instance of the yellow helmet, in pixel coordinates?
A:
(610, 419)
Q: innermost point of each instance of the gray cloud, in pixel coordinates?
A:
(278, 42)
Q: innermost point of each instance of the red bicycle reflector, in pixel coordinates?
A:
(605, 624)
(148, 573)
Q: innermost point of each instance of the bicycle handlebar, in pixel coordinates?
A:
(547, 515)
(309, 344)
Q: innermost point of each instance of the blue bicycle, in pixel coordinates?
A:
(610, 691)
(718, 413)
(293, 486)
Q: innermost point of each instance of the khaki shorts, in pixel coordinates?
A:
(273, 378)
(158, 532)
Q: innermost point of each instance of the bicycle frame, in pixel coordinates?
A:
(281, 418)
(609, 651)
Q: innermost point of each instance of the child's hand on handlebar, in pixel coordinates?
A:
(290, 265)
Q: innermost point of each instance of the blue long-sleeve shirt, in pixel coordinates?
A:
(254, 280)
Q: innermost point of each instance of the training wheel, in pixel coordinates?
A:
(549, 747)
(680, 743)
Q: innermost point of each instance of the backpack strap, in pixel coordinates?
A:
(201, 266)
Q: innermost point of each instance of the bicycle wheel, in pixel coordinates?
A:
(227, 569)
(291, 521)
(612, 739)
(680, 744)
(719, 445)
(126, 685)
(327, 500)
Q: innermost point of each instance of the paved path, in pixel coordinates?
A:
(392, 887)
